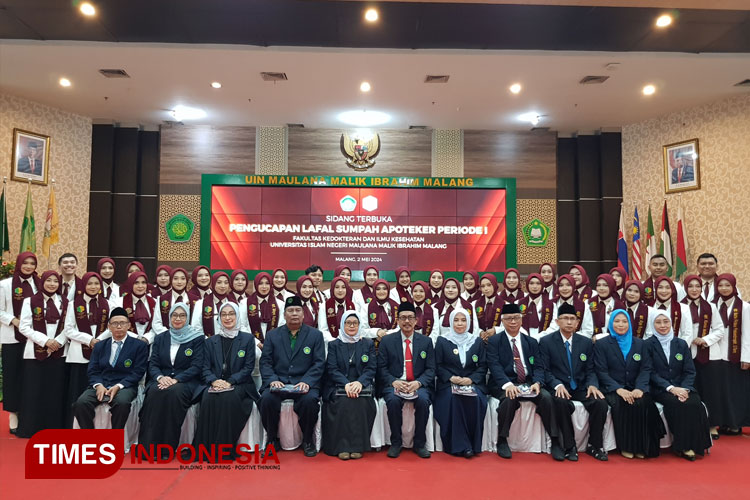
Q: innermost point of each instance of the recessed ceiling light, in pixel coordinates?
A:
(532, 117)
(649, 89)
(365, 87)
(515, 88)
(371, 15)
(87, 9)
(64, 82)
(364, 118)
(181, 113)
(216, 85)
(663, 21)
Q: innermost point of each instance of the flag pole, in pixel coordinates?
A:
(5, 211)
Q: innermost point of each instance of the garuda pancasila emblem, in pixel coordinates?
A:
(360, 154)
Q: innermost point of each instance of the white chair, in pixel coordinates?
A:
(377, 436)
(665, 441)
(580, 419)
(290, 433)
(187, 431)
(407, 426)
(103, 419)
(252, 434)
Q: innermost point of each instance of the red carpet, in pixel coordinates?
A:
(722, 474)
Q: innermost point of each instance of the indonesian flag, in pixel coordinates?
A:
(636, 246)
(665, 245)
(622, 245)
(682, 245)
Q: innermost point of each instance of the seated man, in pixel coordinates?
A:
(517, 374)
(116, 367)
(292, 354)
(406, 364)
(568, 359)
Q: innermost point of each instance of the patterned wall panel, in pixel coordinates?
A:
(271, 157)
(717, 217)
(447, 153)
(169, 206)
(69, 166)
(545, 211)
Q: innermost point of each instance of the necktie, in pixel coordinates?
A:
(141, 313)
(26, 287)
(118, 348)
(339, 312)
(280, 296)
(408, 362)
(573, 384)
(52, 314)
(723, 313)
(92, 313)
(706, 290)
(108, 292)
(66, 289)
(520, 370)
(662, 307)
(179, 299)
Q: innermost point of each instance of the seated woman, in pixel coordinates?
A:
(174, 369)
(461, 360)
(672, 378)
(623, 366)
(229, 391)
(348, 415)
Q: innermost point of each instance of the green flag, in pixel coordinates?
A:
(4, 239)
(28, 229)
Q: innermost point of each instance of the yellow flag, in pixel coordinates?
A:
(51, 227)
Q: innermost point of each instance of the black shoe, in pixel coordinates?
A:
(394, 451)
(572, 454)
(598, 453)
(422, 452)
(468, 454)
(503, 449)
(731, 432)
(14, 431)
(557, 452)
(309, 449)
(715, 436)
(276, 443)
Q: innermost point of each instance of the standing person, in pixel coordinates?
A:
(205, 314)
(512, 292)
(67, 265)
(538, 311)
(636, 308)
(162, 283)
(406, 369)
(177, 294)
(568, 360)
(381, 313)
(315, 272)
(489, 307)
(708, 266)
(201, 280)
(402, 291)
(261, 309)
(310, 305)
(450, 301)
(140, 306)
(623, 367)
(280, 292)
(437, 280)
(666, 300)
(566, 295)
(582, 288)
(366, 294)
(13, 291)
(620, 277)
(43, 390)
(549, 276)
(175, 370)
(345, 272)
(106, 269)
(426, 316)
(460, 398)
(330, 313)
(471, 287)
(348, 398)
(134, 266)
(601, 306)
(658, 268)
(240, 285)
(672, 378)
(294, 354)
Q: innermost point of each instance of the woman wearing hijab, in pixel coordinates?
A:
(623, 366)
(665, 299)
(177, 294)
(310, 305)
(549, 277)
(620, 277)
(672, 378)
(437, 280)
(601, 306)
(566, 295)
(162, 284)
(262, 310)
(228, 392)
(43, 394)
(735, 346)
(280, 291)
(85, 325)
(538, 311)
(106, 269)
(345, 272)
(366, 294)
(201, 280)
(402, 291)
(239, 283)
(426, 315)
(13, 291)
(174, 369)
(489, 307)
(134, 266)
(582, 288)
(460, 400)
(348, 404)
(329, 316)
(512, 292)
(706, 347)
(450, 301)
(637, 309)
(381, 313)
(471, 286)
(140, 306)
(206, 310)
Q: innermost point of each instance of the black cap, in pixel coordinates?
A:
(118, 311)
(510, 309)
(292, 301)
(406, 307)
(566, 309)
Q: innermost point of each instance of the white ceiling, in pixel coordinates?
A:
(324, 82)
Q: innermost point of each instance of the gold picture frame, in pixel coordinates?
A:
(682, 166)
(30, 161)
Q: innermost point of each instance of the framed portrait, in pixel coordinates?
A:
(30, 157)
(682, 166)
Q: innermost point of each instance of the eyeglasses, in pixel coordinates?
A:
(407, 318)
(179, 316)
(351, 323)
(119, 324)
(516, 317)
(229, 314)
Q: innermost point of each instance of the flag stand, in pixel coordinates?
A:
(5, 209)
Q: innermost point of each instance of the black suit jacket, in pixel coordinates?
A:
(241, 361)
(614, 372)
(337, 366)
(129, 367)
(678, 371)
(448, 364)
(501, 364)
(24, 165)
(188, 364)
(391, 360)
(555, 359)
(305, 364)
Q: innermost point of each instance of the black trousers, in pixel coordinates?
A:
(119, 407)
(306, 406)
(564, 408)
(394, 406)
(507, 411)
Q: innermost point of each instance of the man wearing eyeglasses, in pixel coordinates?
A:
(517, 374)
(116, 367)
(406, 366)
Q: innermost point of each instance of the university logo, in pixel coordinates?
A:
(179, 228)
(536, 233)
(360, 154)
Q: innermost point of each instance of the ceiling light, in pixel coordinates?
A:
(532, 117)
(181, 113)
(365, 87)
(364, 118)
(64, 82)
(663, 21)
(371, 15)
(515, 88)
(216, 85)
(649, 89)
(87, 9)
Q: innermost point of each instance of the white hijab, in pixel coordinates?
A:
(229, 333)
(345, 337)
(463, 341)
(664, 339)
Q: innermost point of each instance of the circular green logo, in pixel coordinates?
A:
(179, 228)
(188, 352)
(637, 357)
(307, 350)
(531, 360)
(365, 358)
(241, 353)
(678, 356)
(536, 233)
(128, 363)
(475, 358)
(583, 357)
